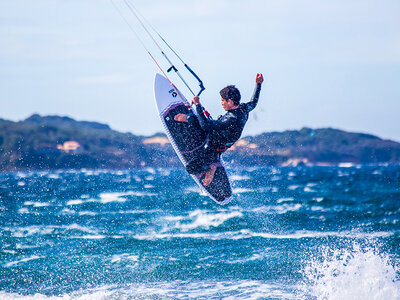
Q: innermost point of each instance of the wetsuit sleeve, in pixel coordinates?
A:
(254, 99)
(191, 118)
(209, 125)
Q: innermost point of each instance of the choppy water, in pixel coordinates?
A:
(291, 233)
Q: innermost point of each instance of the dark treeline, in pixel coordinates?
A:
(54, 142)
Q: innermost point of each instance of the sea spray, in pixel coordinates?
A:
(357, 272)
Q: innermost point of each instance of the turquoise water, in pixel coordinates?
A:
(290, 233)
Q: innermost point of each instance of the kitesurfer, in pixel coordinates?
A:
(223, 132)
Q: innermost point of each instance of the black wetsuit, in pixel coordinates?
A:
(222, 133)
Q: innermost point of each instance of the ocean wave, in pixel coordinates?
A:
(105, 198)
(247, 234)
(21, 261)
(239, 177)
(240, 289)
(27, 231)
(36, 204)
(199, 219)
(241, 190)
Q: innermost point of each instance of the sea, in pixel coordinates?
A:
(328, 232)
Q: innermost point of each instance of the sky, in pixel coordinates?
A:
(325, 63)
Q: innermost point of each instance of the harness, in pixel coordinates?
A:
(226, 147)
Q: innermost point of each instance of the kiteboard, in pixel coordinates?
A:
(187, 140)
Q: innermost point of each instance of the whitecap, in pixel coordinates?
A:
(285, 200)
(308, 190)
(199, 219)
(75, 226)
(111, 197)
(241, 190)
(293, 187)
(246, 234)
(75, 202)
(87, 213)
(89, 237)
(53, 176)
(345, 165)
(24, 260)
(119, 196)
(23, 232)
(36, 204)
(238, 177)
(68, 211)
(23, 210)
(206, 289)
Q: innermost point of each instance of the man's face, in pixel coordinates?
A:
(227, 104)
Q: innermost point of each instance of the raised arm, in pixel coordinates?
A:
(256, 94)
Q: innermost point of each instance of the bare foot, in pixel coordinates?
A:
(180, 118)
(209, 175)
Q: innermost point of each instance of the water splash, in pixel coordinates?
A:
(355, 273)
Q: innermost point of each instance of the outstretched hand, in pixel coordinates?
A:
(259, 78)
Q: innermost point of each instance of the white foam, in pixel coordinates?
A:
(119, 197)
(53, 176)
(75, 202)
(199, 219)
(277, 209)
(293, 187)
(290, 199)
(246, 234)
(150, 170)
(346, 165)
(352, 274)
(87, 213)
(112, 197)
(89, 237)
(13, 263)
(318, 199)
(241, 289)
(309, 190)
(241, 190)
(75, 226)
(23, 210)
(68, 211)
(36, 204)
(124, 257)
(22, 232)
(109, 197)
(239, 177)
(192, 189)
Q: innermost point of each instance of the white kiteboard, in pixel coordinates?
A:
(187, 140)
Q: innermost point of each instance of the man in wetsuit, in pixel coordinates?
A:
(222, 133)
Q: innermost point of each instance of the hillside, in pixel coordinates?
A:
(54, 142)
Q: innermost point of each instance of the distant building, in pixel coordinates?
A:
(69, 146)
(156, 140)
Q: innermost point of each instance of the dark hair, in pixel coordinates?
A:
(231, 92)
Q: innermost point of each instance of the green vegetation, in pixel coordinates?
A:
(38, 143)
